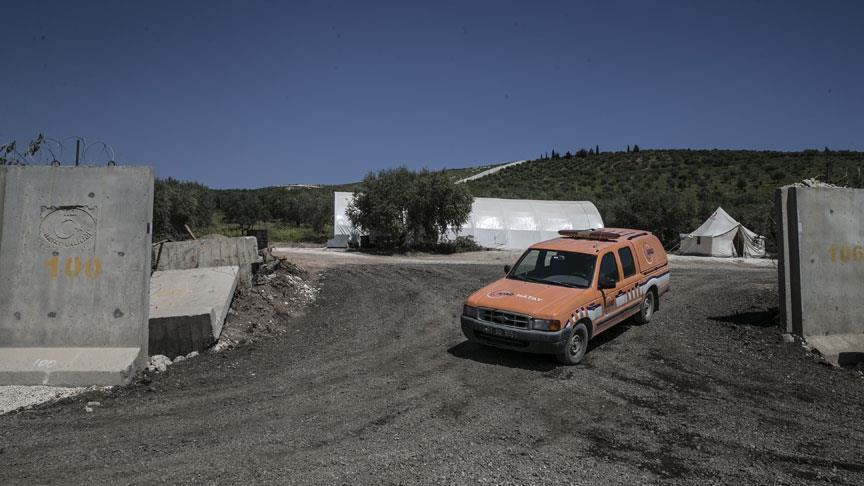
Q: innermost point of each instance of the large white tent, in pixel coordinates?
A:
(721, 236)
(499, 223)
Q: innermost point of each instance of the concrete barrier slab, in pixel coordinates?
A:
(839, 349)
(210, 252)
(75, 249)
(188, 308)
(67, 366)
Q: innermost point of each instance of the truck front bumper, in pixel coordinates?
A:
(514, 338)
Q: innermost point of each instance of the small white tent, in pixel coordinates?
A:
(721, 236)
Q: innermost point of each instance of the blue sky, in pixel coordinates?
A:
(248, 94)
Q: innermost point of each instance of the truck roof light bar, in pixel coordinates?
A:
(597, 235)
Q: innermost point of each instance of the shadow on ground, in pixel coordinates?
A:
(503, 357)
(527, 361)
(763, 318)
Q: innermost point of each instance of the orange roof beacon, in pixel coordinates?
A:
(565, 291)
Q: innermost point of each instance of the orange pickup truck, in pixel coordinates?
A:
(563, 292)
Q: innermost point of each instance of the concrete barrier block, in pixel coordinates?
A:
(783, 273)
(211, 252)
(825, 259)
(188, 308)
(74, 258)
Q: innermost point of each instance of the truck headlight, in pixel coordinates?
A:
(545, 325)
(469, 311)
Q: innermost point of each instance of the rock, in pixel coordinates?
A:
(788, 338)
(179, 359)
(159, 362)
(94, 404)
(192, 354)
(88, 409)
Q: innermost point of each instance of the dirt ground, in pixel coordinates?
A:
(375, 384)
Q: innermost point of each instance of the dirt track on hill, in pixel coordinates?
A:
(375, 384)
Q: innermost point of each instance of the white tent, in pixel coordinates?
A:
(341, 224)
(500, 223)
(721, 236)
(519, 223)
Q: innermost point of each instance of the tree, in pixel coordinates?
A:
(635, 148)
(245, 209)
(177, 204)
(628, 149)
(597, 149)
(399, 207)
(666, 214)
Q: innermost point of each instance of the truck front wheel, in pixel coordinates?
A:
(649, 304)
(574, 348)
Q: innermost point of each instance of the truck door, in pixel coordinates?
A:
(629, 288)
(609, 270)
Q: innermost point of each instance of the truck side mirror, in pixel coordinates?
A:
(606, 282)
(506, 269)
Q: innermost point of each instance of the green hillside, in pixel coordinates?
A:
(673, 191)
(665, 191)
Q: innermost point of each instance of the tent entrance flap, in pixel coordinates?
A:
(738, 244)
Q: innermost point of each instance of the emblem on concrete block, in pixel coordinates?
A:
(68, 226)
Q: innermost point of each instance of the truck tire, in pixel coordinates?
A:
(646, 310)
(575, 347)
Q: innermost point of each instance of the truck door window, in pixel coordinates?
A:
(609, 268)
(627, 263)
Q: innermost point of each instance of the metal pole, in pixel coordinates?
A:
(77, 151)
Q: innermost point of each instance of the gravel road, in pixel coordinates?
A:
(375, 384)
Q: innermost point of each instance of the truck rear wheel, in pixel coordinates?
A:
(646, 311)
(575, 347)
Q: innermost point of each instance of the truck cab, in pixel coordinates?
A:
(563, 292)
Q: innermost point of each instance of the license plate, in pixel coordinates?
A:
(499, 332)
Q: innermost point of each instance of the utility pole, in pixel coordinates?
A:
(77, 151)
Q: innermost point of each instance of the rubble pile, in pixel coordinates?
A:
(280, 291)
(813, 183)
(160, 362)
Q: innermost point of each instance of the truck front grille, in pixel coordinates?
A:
(503, 318)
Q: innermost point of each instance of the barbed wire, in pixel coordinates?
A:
(49, 151)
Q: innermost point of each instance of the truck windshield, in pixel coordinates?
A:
(555, 268)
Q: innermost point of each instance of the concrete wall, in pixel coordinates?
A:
(74, 258)
(210, 252)
(822, 277)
